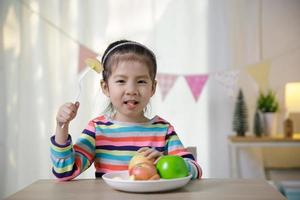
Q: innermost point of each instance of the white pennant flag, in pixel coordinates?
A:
(228, 80)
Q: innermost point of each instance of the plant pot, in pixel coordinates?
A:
(270, 123)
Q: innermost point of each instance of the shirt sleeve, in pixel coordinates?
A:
(175, 147)
(68, 160)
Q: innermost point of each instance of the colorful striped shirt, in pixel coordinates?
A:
(110, 145)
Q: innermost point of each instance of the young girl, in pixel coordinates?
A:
(109, 141)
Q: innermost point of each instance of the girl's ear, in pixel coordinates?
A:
(104, 88)
(154, 87)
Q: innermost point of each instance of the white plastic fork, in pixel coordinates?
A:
(91, 64)
(83, 74)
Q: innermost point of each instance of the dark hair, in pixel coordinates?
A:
(130, 50)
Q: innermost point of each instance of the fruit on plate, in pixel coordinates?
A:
(142, 168)
(143, 171)
(172, 166)
(139, 158)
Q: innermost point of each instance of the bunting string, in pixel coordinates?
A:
(228, 80)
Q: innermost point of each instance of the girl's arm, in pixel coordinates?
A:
(71, 160)
(175, 147)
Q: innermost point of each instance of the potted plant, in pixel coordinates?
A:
(268, 105)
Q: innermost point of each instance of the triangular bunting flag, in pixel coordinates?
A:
(228, 80)
(196, 84)
(84, 53)
(165, 83)
(260, 73)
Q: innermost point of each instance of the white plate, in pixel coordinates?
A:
(121, 181)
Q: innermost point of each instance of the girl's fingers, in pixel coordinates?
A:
(154, 154)
(67, 112)
(71, 107)
(67, 115)
(143, 149)
(61, 119)
(150, 153)
(77, 104)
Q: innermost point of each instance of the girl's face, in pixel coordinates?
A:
(129, 88)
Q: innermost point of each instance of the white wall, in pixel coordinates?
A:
(38, 69)
(255, 31)
(280, 44)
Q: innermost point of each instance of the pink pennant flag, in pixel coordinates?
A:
(196, 83)
(165, 83)
(84, 53)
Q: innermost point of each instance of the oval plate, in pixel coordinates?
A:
(121, 181)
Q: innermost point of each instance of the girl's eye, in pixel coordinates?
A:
(142, 81)
(120, 81)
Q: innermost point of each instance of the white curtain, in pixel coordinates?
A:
(39, 55)
(39, 63)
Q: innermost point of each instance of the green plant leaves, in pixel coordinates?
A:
(267, 102)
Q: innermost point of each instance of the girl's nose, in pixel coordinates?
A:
(131, 89)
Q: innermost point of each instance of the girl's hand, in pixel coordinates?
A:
(66, 113)
(151, 153)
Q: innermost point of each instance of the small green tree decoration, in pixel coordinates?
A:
(257, 125)
(240, 118)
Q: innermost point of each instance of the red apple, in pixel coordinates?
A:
(143, 171)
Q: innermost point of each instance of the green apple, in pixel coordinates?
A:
(172, 166)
